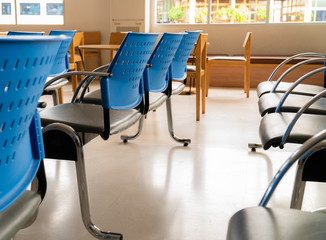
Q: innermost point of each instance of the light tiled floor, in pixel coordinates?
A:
(154, 189)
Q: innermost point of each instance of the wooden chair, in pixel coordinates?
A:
(92, 38)
(75, 57)
(116, 38)
(198, 71)
(234, 61)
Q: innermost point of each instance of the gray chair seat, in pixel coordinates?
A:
(93, 97)
(177, 87)
(273, 126)
(269, 101)
(301, 89)
(156, 100)
(259, 223)
(57, 84)
(21, 211)
(89, 117)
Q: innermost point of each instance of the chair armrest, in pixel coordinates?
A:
(294, 67)
(295, 84)
(298, 114)
(290, 59)
(313, 144)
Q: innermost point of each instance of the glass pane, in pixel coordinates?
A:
(30, 9)
(321, 16)
(6, 8)
(238, 11)
(54, 9)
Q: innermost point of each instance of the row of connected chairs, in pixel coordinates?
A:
(281, 125)
(262, 222)
(25, 65)
(136, 81)
(126, 89)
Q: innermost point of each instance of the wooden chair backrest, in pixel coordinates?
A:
(76, 41)
(117, 37)
(92, 37)
(201, 50)
(247, 46)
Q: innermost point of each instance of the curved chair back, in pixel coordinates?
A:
(25, 63)
(24, 33)
(61, 64)
(124, 89)
(179, 63)
(157, 79)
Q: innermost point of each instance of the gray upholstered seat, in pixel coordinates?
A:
(273, 126)
(268, 102)
(15, 217)
(89, 118)
(257, 223)
(301, 89)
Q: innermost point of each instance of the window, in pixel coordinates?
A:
(240, 11)
(31, 12)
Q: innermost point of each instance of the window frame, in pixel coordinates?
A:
(267, 21)
(16, 18)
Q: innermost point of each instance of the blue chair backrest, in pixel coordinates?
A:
(124, 89)
(61, 64)
(156, 78)
(179, 63)
(11, 33)
(25, 62)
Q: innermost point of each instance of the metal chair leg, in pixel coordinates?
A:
(82, 183)
(185, 141)
(125, 138)
(299, 187)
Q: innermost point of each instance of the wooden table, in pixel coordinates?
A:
(110, 47)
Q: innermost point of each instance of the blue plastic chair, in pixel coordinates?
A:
(11, 33)
(61, 65)
(69, 126)
(25, 63)
(157, 81)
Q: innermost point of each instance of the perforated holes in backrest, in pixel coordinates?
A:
(127, 68)
(20, 63)
(160, 61)
(60, 65)
(183, 53)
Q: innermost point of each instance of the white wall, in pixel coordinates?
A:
(83, 15)
(267, 39)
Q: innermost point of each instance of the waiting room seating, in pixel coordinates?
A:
(157, 81)
(67, 127)
(234, 61)
(292, 102)
(25, 65)
(61, 65)
(280, 86)
(179, 65)
(285, 224)
(92, 38)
